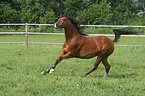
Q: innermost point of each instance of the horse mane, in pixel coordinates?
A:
(76, 24)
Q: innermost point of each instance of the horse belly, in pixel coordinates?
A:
(88, 55)
(88, 51)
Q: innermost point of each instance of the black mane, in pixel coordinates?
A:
(77, 26)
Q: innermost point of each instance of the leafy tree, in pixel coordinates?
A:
(140, 4)
(96, 14)
(49, 17)
(94, 11)
(122, 10)
(31, 11)
(71, 7)
(7, 14)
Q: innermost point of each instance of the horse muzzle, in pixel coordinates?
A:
(56, 25)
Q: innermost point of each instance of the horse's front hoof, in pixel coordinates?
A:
(43, 73)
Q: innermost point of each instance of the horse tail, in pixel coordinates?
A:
(118, 33)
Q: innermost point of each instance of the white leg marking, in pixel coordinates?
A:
(105, 75)
(43, 72)
(51, 71)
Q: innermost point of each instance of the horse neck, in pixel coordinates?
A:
(70, 33)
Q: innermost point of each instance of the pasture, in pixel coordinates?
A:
(20, 69)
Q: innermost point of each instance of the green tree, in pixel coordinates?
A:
(31, 11)
(96, 14)
(71, 7)
(122, 10)
(7, 14)
(94, 11)
(49, 17)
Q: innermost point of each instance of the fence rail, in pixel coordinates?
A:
(26, 30)
(80, 25)
(29, 24)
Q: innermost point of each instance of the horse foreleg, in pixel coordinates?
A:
(58, 60)
(99, 59)
(107, 66)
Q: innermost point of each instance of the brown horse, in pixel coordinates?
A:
(79, 46)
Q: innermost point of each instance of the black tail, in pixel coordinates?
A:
(118, 33)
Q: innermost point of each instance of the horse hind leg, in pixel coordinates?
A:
(107, 67)
(99, 59)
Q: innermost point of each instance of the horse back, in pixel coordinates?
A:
(93, 46)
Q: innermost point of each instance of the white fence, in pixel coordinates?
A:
(26, 30)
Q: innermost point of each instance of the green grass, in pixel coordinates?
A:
(20, 69)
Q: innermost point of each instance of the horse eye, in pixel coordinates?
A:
(63, 19)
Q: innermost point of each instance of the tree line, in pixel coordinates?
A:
(87, 11)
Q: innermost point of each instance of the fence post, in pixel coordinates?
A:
(26, 36)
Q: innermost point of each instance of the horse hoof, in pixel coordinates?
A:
(105, 75)
(43, 73)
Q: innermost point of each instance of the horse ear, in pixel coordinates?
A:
(60, 15)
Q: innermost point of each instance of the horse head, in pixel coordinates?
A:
(61, 23)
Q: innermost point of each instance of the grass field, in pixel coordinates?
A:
(20, 69)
